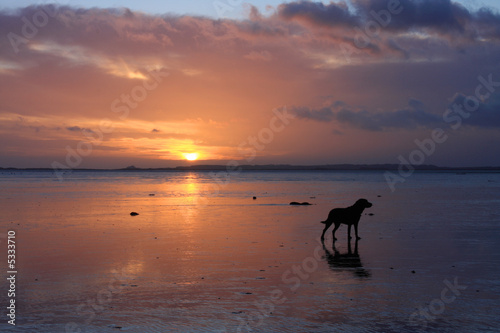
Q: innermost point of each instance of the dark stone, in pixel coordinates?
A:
(134, 214)
(294, 203)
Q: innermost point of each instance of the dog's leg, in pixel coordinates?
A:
(327, 225)
(337, 225)
(356, 230)
(349, 231)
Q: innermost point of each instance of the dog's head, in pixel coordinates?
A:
(363, 203)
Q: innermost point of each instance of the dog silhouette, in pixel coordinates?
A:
(349, 216)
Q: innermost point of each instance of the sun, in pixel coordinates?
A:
(191, 156)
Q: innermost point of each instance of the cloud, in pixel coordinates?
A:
(482, 115)
(74, 129)
(317, 13)
(443, 16)
(411, 117)
(321, 115)
(438, 15)
(127, 44)
(440, 27)
(408, 118)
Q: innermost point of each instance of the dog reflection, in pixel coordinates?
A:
(349, 261)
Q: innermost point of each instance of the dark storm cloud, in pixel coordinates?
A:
(441, 16)
(333, 14)
(473, 113)
(411, 117)
(408, 118)
(462, 110)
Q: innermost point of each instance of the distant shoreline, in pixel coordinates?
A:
(280, 167)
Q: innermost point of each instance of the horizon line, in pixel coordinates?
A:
(270, 167)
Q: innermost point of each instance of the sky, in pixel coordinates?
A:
(235, 9)
(87, 84)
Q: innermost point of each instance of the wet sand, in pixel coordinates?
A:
(428, 259)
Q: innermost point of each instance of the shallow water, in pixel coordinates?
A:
(203, 256)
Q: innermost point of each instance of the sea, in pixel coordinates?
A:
(226, 252)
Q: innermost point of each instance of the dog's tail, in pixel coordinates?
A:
(324, 222)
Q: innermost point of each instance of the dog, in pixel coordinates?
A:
(349, 216)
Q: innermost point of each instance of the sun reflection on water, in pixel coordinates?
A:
(192, 197)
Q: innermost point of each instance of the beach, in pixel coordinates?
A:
(205, 256)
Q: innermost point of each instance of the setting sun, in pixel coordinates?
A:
(191, 156)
